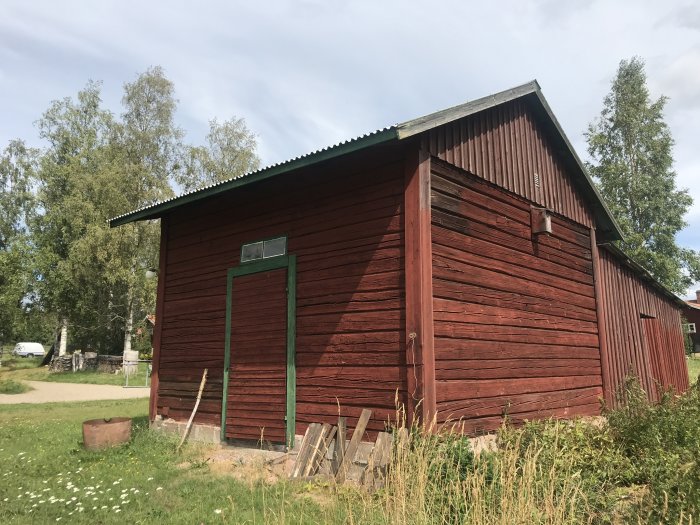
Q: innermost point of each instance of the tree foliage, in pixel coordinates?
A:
(56, 249)
(632, 151)
(229, 153)
(17, 169)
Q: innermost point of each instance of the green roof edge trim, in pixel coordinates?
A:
(156, 210)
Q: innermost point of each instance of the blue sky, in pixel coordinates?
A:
(310, 73)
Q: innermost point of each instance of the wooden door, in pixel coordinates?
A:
(658, 362)
(257, 386)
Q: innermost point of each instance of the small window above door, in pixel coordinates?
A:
(255, 251)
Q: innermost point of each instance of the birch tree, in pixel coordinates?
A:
(632, 151)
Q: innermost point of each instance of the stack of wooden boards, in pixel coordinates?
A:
(325, 453)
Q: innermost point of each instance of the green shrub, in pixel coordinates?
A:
(663, 443)
(8, 386)
(583, 450)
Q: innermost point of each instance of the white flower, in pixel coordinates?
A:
(118, 510)
(150, 479)
(217, 511)
(58, 519)
(159, 488)
(115, 483)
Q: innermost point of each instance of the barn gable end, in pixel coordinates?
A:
(507, 145)
(514, 313)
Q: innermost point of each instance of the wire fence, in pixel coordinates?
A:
(137, 373)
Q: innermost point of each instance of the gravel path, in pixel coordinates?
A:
(46, 392)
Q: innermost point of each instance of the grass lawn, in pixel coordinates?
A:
(19, 368)
(694, 368)
(47, 477)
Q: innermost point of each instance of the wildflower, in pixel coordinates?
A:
(159, 488)
(58, 519)
(217, 511)
(150, 479)
(118, 510)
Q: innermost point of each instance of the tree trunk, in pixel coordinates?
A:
(128, 325)
(63, 342)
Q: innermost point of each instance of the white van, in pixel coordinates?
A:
(29, 350)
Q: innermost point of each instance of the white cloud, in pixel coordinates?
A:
(308, 74)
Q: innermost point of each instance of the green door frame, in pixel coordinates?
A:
(274, 263)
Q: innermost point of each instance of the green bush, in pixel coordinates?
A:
(582, 450)
(663, 443)
(8, 386)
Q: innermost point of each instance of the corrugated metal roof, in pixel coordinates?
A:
(341, 148)
(604, 219)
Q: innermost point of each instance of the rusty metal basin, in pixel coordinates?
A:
(104, 433)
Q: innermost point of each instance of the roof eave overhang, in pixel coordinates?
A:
(159, 209)
(607, 228)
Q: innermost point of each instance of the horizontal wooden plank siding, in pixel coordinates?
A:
(506, 146)
(515, 316)
(643, 329)
(257, 372)
(344, 223)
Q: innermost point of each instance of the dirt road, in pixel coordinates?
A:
(46, 392)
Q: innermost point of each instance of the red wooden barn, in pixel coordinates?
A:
(458, 264)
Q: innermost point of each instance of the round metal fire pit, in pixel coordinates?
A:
(104, 433)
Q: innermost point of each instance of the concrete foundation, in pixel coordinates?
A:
(198, 432)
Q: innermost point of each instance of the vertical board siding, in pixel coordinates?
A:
(515, 317)
(505, 146)
(644, 335)
(345, 224)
